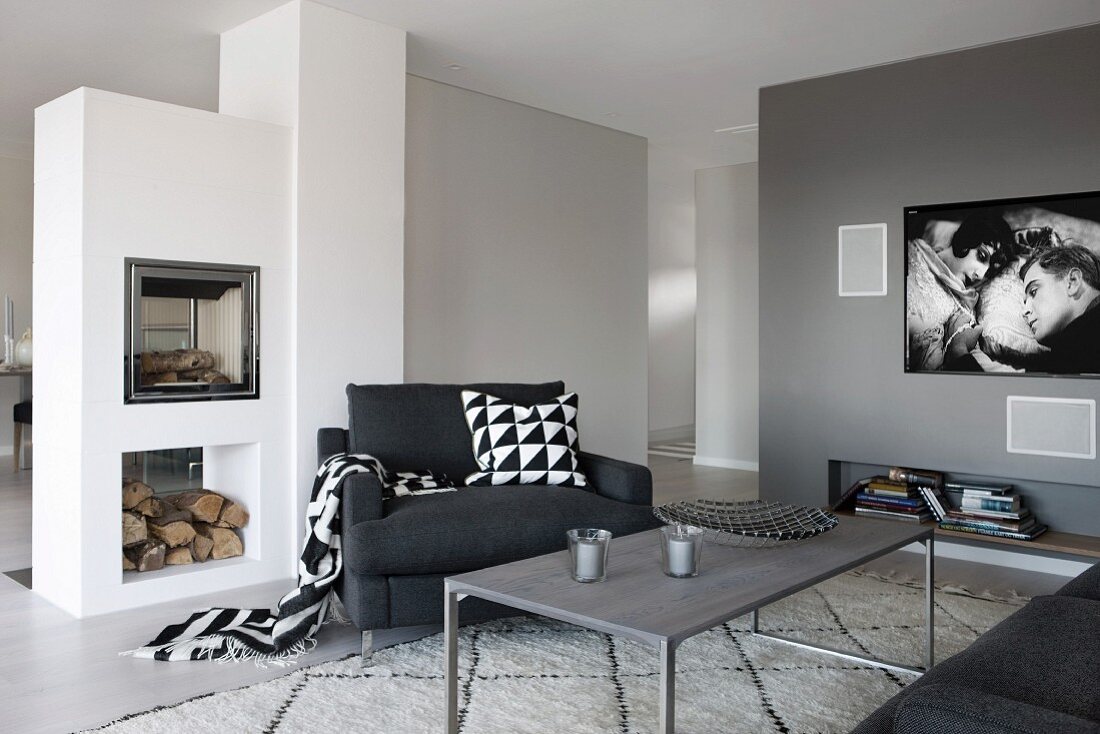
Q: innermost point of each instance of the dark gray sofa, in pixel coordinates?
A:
(397, 552)
(1037, 672)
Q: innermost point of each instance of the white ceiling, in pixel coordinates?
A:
(670, 70)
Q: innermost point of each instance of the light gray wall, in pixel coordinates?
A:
(1013, 119)
(16, 224)
(728, 317)
(671, 295)
(525, 255)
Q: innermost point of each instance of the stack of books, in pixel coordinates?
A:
(989, 509)
(891, 498)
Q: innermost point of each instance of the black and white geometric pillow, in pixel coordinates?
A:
(517, 444)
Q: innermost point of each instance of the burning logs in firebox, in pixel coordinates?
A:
(175, 529)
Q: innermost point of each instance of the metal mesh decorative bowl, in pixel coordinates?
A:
(754, 524)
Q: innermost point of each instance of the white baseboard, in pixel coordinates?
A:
(996, 557)
(727, 463)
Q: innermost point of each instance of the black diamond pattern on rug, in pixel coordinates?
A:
(534, 675)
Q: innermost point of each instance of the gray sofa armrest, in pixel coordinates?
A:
(618, 480)
(361, 500)
(331, 441)
(949, 708)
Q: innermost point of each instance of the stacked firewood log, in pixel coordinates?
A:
(180, 365)
(175, 529)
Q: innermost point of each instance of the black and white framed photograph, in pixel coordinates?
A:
(1009, 286)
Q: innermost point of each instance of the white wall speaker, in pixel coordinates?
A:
(1052, 427)
(862, 259)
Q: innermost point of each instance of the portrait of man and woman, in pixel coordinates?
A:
(1011, 287)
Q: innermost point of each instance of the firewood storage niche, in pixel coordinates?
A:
(191, 331)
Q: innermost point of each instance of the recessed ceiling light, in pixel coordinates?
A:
(611, 114)
(454, 67)
(738, 129)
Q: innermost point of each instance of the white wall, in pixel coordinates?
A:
(118, 177)
(671, 292)
(526, 256)
(339, 79)
(728, 318)
(16, 224)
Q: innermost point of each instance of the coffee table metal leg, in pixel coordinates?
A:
(929, 630)
(930, 602)
(668, 688)
(450, 645)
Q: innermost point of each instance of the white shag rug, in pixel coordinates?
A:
(536, 676)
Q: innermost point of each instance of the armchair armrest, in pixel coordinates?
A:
(618, 480)
(361, 500)
(958, 708)
(331, 441)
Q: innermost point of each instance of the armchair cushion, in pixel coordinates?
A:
(417, 427)
(478, 527)
(517, 444)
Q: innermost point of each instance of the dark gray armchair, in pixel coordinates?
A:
(397, 552)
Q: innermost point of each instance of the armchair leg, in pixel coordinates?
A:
(368, 648)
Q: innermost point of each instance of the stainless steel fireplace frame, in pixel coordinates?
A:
(247, 276)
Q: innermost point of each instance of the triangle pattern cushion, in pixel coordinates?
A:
(518, 444)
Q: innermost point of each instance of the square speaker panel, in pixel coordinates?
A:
(1060, 427)
(862, 259)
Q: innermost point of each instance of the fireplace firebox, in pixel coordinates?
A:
(191, 331)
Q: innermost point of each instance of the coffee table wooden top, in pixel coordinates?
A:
(637, 600)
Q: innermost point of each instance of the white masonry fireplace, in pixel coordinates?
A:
(300, 175)
(143, 210)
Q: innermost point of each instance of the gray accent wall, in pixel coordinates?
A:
(526, 256)
(1014, 119)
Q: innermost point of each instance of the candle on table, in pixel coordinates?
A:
(681, 555)
(589, 559)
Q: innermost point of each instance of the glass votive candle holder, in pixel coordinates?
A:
(681, 546)
(588, 554)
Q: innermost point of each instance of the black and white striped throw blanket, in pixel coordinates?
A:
(280, 636)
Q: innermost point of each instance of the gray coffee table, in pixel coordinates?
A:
(640, 602)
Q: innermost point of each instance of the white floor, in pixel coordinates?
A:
(59, 674)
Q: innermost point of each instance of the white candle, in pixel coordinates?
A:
(589, 559)
(681, 556)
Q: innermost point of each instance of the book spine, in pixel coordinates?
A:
(903, 516)
(894, 495)
(890, 508)
(990, 525)
(1031, 535)
(888, 500)
(984, 489)
(988, 514)
(933, 502)
(850, 492)
(901, 491)
(990, 503)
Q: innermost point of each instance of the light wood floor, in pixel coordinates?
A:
(15, 517)
(59, 674)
